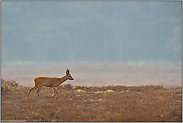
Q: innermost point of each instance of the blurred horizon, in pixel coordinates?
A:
(104, 33)
(150, 64)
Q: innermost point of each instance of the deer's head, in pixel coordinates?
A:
(69, 75)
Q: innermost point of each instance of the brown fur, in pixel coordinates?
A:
(52, 82)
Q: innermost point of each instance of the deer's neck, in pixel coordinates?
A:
(63, 79)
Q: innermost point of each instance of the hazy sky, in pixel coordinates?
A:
(85, 31)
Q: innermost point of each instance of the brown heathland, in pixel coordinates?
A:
(81, 103)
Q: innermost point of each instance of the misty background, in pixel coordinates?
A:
(102, 43)
(91, 31)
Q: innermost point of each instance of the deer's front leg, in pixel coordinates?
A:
(54, 92)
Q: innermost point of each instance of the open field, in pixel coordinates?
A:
(98, 75)
(81, 103)
(98, 93)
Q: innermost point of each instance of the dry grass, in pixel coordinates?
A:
(80, 103)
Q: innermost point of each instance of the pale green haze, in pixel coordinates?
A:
(91, 31)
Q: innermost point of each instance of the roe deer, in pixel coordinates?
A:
(52, 82)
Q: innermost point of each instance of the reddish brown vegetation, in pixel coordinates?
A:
(80, 103)
(8, 85)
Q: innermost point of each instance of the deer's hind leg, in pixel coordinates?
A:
(31, 89)
(39, 89)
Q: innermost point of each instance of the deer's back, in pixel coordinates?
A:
(46, 81)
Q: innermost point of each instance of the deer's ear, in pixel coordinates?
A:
(67, 72)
